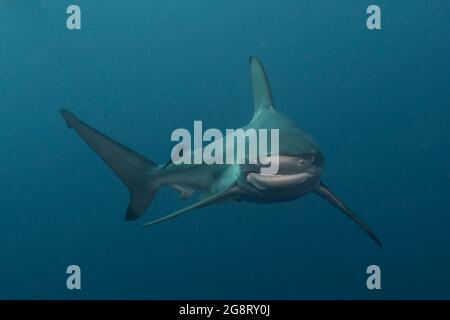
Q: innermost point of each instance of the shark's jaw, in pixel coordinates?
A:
(278, 181)
(297, 176)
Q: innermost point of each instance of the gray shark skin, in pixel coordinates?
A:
(300, 166)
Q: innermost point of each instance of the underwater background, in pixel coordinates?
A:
(377, 102)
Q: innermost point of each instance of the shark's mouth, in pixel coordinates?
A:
(266, 181)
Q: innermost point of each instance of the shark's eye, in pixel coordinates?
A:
(316, 159)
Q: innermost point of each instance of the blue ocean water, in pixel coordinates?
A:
(377, 102)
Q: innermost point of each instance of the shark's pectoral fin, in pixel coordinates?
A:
(262, 95)
(325, 193)
(202, 203)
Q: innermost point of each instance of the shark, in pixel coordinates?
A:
(300, 166)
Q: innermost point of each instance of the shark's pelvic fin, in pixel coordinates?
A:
(262, 95)
(202, 203)
(325, 193)
(185, 192)
(132, 168)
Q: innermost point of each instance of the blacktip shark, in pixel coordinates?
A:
(300, 166)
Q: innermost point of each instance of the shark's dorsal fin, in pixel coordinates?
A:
(262, 95)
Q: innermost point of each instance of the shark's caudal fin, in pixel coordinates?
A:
(132, 168)
(262, 95)
(325, 193)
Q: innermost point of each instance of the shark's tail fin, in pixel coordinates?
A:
(132, 168)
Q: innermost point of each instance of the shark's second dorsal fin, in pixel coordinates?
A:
(262, 95)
